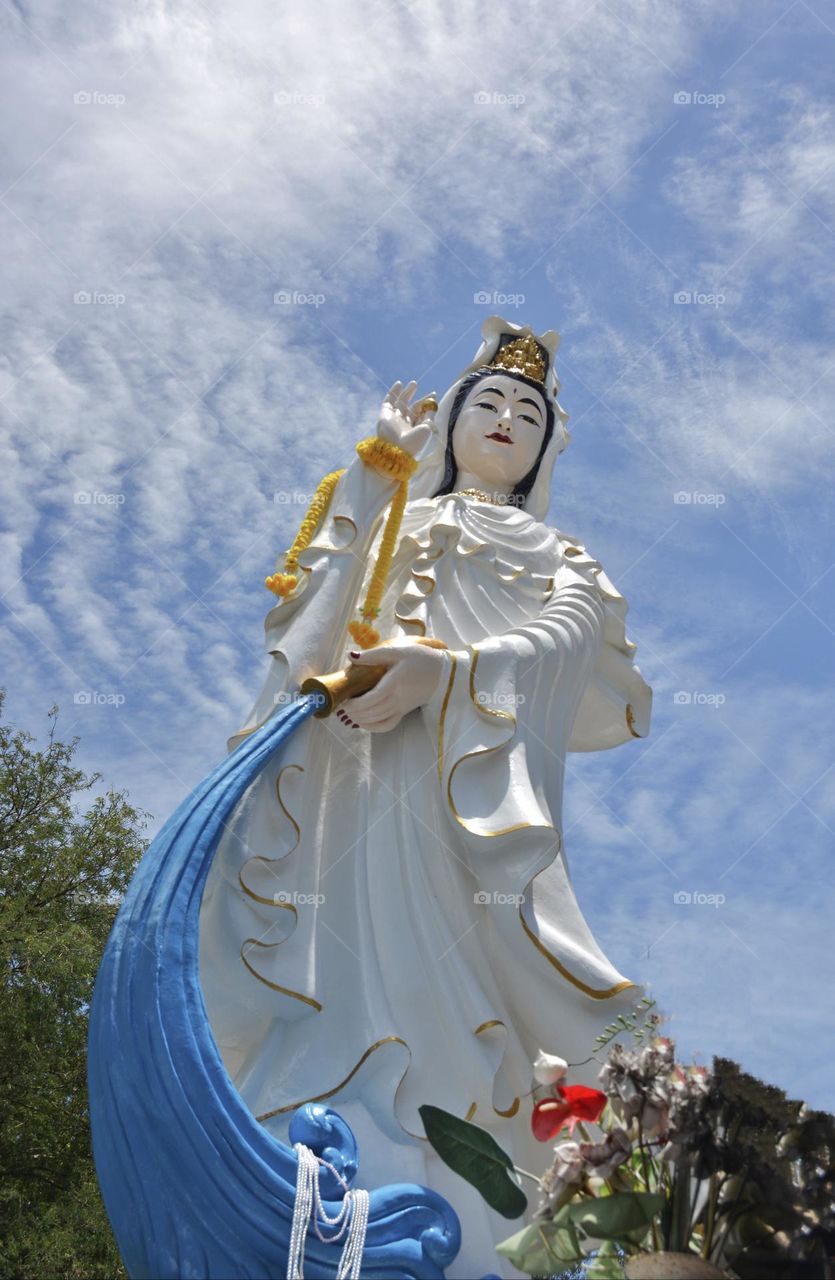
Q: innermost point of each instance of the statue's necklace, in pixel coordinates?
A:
(483, 497)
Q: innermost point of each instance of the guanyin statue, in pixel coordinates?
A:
(389, 919)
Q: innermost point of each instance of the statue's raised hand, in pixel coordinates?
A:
(403, 423)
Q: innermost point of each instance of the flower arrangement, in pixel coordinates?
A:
(663, 1171)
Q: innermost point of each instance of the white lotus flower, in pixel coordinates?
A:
(549, 1069)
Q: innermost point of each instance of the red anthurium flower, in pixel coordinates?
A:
(548, 1118)
(586, 1104)
(575, 1102)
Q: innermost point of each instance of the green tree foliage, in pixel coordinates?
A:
(65, 862)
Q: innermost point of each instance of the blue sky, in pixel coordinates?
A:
(390, 166)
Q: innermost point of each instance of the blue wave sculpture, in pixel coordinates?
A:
(194, 1186)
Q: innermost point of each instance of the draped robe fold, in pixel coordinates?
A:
(390, 920)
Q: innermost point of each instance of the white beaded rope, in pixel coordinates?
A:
(351, 1260)
(353, 1215)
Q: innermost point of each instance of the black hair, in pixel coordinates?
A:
(523, 486)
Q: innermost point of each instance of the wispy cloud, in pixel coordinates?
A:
(226, 232)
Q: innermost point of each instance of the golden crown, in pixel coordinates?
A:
(523, 355)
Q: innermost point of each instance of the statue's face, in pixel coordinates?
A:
(499, 431)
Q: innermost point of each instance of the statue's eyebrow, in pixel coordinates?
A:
(525, 400)
(495, 390)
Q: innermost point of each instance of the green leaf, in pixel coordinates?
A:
(613, 1217)
(475, 1156)
(542, 1249)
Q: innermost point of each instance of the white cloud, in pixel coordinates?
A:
(379, 182)
(182, 194)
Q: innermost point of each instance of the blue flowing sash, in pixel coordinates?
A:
(194, 1186)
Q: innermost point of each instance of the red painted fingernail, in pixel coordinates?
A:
(355, 653)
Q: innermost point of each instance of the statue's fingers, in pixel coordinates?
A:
(376, 699)
(405, 396)
(383, 726)
(370, 708)
(379, 655)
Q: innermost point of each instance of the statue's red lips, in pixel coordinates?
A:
(497, 435)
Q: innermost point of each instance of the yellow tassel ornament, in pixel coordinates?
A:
(281, 584)
(396, 464)
(392, 461)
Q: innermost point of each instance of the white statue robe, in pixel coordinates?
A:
(390, 920)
